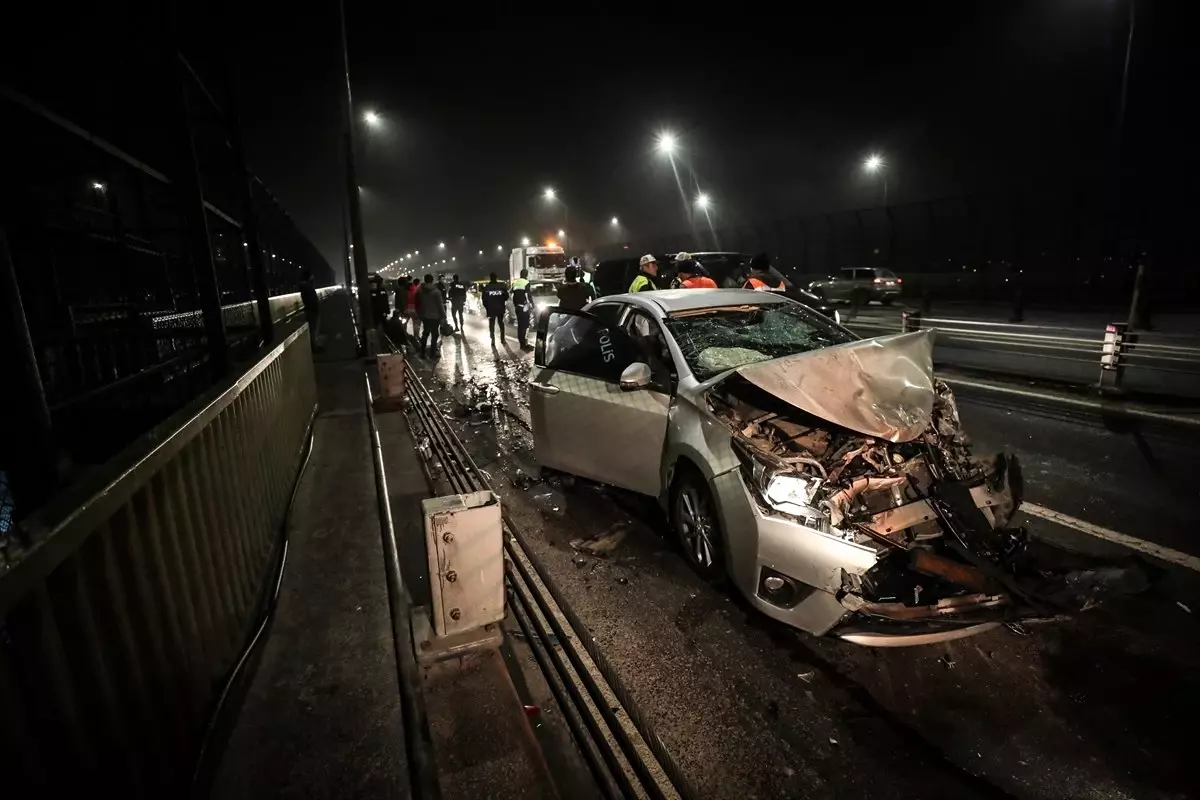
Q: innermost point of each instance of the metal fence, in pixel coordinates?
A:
(127, 607)
(137, 276)
(1146, 362)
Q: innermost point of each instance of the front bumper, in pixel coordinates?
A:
(765, 545)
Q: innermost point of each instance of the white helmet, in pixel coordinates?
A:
(682, 257)
(647, 259)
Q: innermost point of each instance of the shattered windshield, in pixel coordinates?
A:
(719, 339)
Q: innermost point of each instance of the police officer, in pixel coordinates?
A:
(521, 305)
(495, 298)
(647, 272)
(458, 299)
(761, 279)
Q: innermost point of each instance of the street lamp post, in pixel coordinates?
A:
(358, 241)
(551, 196)
(876, 165)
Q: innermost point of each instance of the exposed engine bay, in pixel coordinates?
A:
(884, 495)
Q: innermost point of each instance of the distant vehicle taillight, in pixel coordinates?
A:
(879, 280)
(899, 280)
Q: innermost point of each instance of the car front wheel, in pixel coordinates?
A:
(697, 526)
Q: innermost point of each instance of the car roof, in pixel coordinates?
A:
(668, 301)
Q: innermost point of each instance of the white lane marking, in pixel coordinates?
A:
(1132, 542)
(1074, 401)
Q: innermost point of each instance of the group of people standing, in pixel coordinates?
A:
(424, 303)
(689, 274)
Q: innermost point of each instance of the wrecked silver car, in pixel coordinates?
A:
(827, 477)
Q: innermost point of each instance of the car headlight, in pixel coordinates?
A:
(791, 493)
(786, 492)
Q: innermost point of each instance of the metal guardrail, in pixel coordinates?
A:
(1144, 361)
(133, 594)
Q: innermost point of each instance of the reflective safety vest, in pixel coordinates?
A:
(642, 283)
(699, 282)
(761, 286)
(519, 289)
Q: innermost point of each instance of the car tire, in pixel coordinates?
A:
(697, 526)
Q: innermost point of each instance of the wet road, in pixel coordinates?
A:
(1091, 706)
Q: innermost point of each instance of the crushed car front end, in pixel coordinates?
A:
(854, 506)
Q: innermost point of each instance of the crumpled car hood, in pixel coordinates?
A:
(880, 387)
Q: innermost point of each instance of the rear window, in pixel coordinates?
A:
(885, 273)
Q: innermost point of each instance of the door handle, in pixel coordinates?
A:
(544, 388)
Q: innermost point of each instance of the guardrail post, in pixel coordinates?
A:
(1018, 305)
(910, 321)
(1111, 367)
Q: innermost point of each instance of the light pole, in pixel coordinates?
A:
(551, 196)
(667, 144)
(704, 202)
(876, 165)
(357, 240)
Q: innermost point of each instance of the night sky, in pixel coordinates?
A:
(774, 115)
(966, 97)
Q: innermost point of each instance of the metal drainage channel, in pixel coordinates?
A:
(643, 767)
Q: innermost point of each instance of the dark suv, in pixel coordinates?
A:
(859, 285)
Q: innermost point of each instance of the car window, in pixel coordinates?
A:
(847, 275)
(652, 344)
(726, 338)
(587, 345)
(885, 273)
(608, 313)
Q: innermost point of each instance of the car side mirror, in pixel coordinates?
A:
(636, 376)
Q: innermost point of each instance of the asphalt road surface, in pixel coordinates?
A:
(1093, 705)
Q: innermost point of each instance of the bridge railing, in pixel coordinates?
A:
(131, 597)
(1145, 361)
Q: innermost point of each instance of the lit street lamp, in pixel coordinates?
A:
(562, 234)
(550, 195)
(499, 248)
(614, 222)
(703, 200)
(372, 119)
(667, 143)
(876, 165)
(441, 245)
(524, 241)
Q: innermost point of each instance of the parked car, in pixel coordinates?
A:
(827, 477)
(859, 285)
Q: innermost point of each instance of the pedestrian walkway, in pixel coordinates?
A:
(321, 717)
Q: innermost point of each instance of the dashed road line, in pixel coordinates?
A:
(1132, 542)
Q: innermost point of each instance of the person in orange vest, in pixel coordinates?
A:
(761, 279)
(691, 275)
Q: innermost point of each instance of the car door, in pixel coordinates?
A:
(583, 422)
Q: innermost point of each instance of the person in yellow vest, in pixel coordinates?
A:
(647, 272)
(761, 279)
(518, 289)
